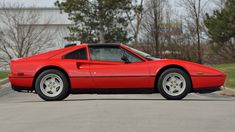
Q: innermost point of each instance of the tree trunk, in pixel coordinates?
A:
(199, 48)
(156, 35)
(101, 36)
(136, 39)
(198, 33)
(157, 45)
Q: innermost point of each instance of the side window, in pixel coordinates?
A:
(113, 54)
(80, 54)
(131, 57)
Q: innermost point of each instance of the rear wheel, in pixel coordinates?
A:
(52, 85)
(174, 84)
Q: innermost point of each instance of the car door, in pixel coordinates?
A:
(108, 70)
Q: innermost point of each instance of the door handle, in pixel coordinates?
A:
(81, 66)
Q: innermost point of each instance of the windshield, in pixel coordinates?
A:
(143, 54)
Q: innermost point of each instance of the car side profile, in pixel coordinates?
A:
(54, 75)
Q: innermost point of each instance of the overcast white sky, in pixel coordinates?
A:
(50, 3)
(38, 3)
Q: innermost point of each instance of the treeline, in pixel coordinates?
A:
(190, 32)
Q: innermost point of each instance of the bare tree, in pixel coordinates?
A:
(136, 19)
(153, 18)
(21, 33)
(219, 3)
(195, 14)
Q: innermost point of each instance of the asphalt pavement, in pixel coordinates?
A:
(26, 112)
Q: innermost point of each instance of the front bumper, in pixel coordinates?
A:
(205, 81)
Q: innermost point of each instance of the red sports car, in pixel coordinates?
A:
(55, 74)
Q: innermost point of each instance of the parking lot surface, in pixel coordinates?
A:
(25, 112)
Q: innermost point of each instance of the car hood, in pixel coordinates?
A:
(194, 69)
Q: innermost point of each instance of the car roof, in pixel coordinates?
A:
(93, 44)
(103, 44)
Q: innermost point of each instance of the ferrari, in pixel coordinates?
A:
(56, 74)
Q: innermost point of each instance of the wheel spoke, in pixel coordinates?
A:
(178, 81)
(53, 79)
(168, 84)
(46, 83)
(47, 89)
(53, 90)
(171, 89)
(57, 85)
(172, 78)
(178, 88)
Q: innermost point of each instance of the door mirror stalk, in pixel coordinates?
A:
(125, 59)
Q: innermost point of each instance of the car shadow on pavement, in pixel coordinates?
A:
(129, 99)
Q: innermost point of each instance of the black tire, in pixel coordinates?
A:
(161, 87)
(65, 90)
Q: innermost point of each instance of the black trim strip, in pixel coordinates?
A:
(113, 91)
(108, 76)
(207, 75)
(22, 89)
(207, 90)
(21, 77)
(94, 76)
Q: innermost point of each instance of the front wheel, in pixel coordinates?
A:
(52, 85)
(174, 84)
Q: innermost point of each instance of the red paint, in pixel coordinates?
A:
(100, 74)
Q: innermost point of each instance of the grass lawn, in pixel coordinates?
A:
(3, 74)
(230, 70)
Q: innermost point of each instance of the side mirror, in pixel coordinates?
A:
(125, 59)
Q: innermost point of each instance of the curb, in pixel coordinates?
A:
(4, 81)
(227, 92)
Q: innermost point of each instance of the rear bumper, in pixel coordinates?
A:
(21, 81)
(21, 84)
(208, 90)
